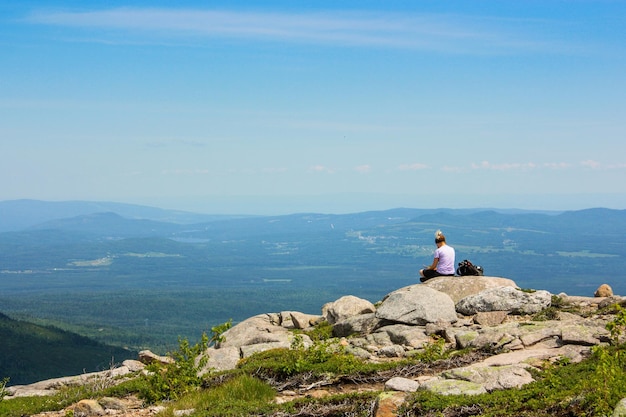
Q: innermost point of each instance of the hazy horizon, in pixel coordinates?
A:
(356, 203)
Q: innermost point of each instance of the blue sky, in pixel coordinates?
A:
(286, 106)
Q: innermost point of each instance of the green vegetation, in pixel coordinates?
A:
(3, 384)
(173, 380)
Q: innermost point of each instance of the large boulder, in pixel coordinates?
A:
(505, 299)
(345, 307)
(460, 287)
(417, 305)
(254, 330)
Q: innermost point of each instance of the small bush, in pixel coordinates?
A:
(550, 313)
(325, 357)
(3, 385)
(321, 331)
(432, 352)
(171, 381)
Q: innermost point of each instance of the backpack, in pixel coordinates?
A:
(468, 268)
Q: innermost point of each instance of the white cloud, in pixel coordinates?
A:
(412, 167)
(185, 171)
(276, 170)
(557, 165)
(591, 164)
(436, 32)
(322, 168)
(504, 166)
(448, 168)
(185, 143)
(363, 169)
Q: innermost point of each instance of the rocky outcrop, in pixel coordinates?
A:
(485, 313)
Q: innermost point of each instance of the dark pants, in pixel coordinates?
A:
(432, 273)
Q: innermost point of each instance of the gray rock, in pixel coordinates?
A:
(254, 330)
(490, 318)
(345, 307)
(361, 324)
(505, 299)
(88, 408)
(402, 334)
(358, 352)
(391, 351)
(302, 320)
(492, 377)
(379, 339)
(221, 359)
(112, 403)
(249, 350)
(581, 334)
(133, 365)
(458, 288)
(401, 384)
(147, 357)
(487, 337)
(453, 387)
(538, 332)
(182, 413)
(417, 305)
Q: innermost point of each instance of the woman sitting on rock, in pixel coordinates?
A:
(443, 263)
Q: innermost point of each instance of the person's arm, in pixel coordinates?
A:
(434, 264)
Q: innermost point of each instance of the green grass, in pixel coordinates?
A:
(240, 396)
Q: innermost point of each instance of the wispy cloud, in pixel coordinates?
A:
(186, 143)
(436, 32)
(322, 169)
(557, 165)
(363, 169)
(274, 170)
(185, 171)
(412, 167)
(507, 166)
(591, 164)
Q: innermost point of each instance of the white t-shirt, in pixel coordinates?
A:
(445, 265)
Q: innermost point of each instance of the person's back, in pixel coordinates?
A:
(443, 261)
(446, 256)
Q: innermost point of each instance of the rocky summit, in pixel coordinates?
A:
(487, 313)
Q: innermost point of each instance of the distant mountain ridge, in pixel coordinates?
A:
(20, 214)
